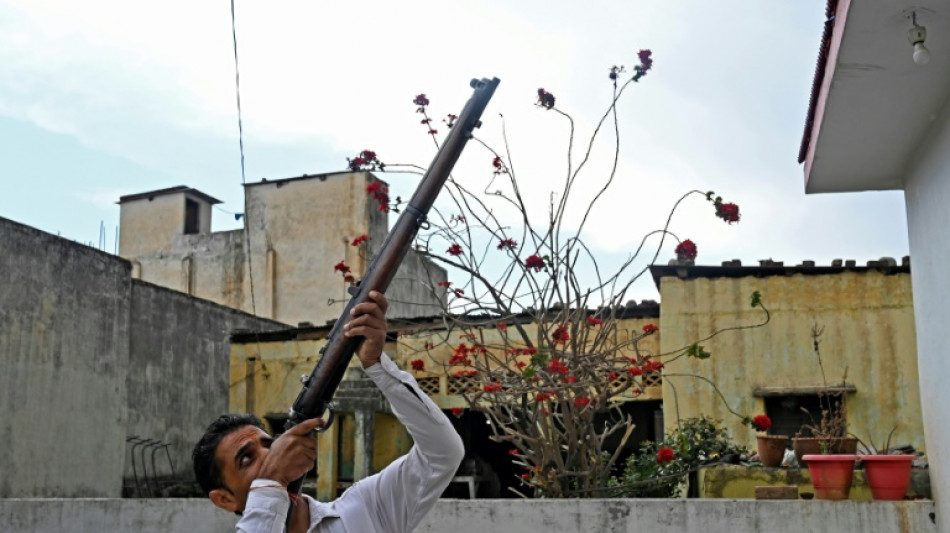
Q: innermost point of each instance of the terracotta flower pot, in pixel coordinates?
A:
(772, 449)
(831, 475)
(888, 475)
(812, 446)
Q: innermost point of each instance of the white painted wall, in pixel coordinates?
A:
(927, 196)
(503, 516)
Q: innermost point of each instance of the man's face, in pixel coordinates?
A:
(239, 456)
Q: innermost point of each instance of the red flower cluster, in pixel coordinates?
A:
(433, 131)
(511, 244)
(685, 250)
(458, 411)
(492, 387)
(465, 374)
(535, 262)
(761, 422)
(360, 240)
(341, 267)
(652, 366)
(460, 356)
(380, 193)
(664, 455)
(583, 401)
(646, 62)
(366, 160)
(545, 99)
(421, 101)
(559, 367)
(615, 71)
(650, 328)
(458, 293)
(728, 212)
(561, 335)
(444, 284)
(502, 326)
(543, 396)
(635, 371)
(570, 379)
(612, 376)
(593, 321)
(450, 119)
(455, 249)
(418, 365)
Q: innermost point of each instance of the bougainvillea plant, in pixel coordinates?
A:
(542, 352)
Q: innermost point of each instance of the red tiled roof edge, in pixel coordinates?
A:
(830, 10)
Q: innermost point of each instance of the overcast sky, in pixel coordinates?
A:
(104, 98)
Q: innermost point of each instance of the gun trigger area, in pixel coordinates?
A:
(326, 424)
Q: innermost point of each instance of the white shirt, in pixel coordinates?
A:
(394, 500)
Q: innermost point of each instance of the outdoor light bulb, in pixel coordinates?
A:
(921, 54)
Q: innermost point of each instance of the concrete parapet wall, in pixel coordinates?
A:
(511, 516)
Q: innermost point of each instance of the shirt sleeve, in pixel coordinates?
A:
(403, 492)
(266, 508)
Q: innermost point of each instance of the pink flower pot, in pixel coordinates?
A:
(831, 475)
(888, 475)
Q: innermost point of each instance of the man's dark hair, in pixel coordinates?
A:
(207, 470)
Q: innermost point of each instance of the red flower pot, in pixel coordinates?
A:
(888, 475)
(831, 475)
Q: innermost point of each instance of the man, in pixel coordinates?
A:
(244, 470)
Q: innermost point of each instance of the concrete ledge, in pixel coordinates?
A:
(514, 516)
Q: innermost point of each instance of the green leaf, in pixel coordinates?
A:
(529, 372)
(756, 299)
(696, 350)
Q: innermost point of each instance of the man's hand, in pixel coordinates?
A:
(292, 454)
(369, 322)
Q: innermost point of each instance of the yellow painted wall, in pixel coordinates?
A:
(868, 329)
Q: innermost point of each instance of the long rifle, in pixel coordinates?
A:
(335, 356)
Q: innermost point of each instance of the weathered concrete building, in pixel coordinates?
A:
(281, 264)
(107, 381)
(868, 341)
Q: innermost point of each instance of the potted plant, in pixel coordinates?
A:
(888, 474)
(828, 434)
(771, 447)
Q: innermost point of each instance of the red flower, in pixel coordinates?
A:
(559, 367)
(582, 401)
(685, 250)
(728, 212)
(535, 262)
(492, 387)
(592, 321)
(349, 278)
(444, 284)
(421, 100)
(664, 455)
(450, 119)
(426, 120)
(652, 366)
(650, 328)
(612, 376)
(418, 365)
(360, 240)
(433, 131)
(521, 364)
(513, 451)
(635, 371)
(459, 293)
(380, 193)
(455, 249)
(341, 267)
(543, 396)
(457, 411)
(502, 326)
(646, 62)
(545, 99)
(762, 422)
(508, 243)
(560, 335)
(570, 379)
(531, 350)
(499, 166)
(526, 475)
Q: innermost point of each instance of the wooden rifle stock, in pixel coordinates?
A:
(335, 356)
